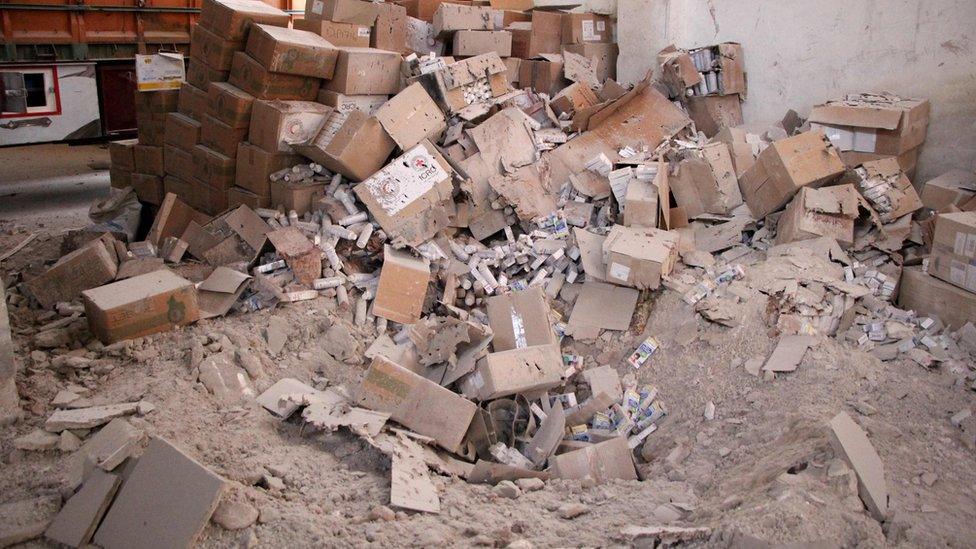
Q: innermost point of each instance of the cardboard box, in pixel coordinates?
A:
(451, 83)
(579, 28)
(455, 17)
(873, 123)
(221, 137)
(927, 295)
(157, 102)
(119, 178)
(421, 39)
(139, 306)
(353, 144)
(402, 286)
(366, 71)
(213, 50)
(160, 71)
(211, 200)
(121, 154)
(543, 36)
(151, 129)
(886, 187)
(908, 161)
(828, 211)
(179, 163)
(639, 257)
(248, 75)
(806, 159)
(410, 197)
(236, 196)
(713, 112)
(512, 66)
(148, 160)
(255, 165)
(607, 460)
(390, 29)
(519, 370)
(705, 182)
(424, 9)
(229, 104)
(411, 116)
(214, 169)
(89, 266)
(520, 319)
(299, 196)
(338, 34)
(368, 104)
(576, 96)
(543, 74)
(200, 74)
(416, 403)
(177, 186)
(148, 188)
(641, 202)
(739, 148)
(467, 43)
(182, 131)
(193, 101)
(277, 125)
(953, 188)
(292, 51)
(359, 12)
(230, 18)
(954, 249)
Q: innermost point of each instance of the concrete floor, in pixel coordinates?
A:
(57, 181)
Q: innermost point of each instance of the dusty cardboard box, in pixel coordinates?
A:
(467, 43)
(954, 249)
(300, 196)
(148, 160)
(221, 137)
(515, 371)
(712, 112)
(416, 403)
(237, 196)
(390, 29)
(200, 74)
(639, 257)
(420, 38)
(455, 17)
(955, 187)
(360, 12)
(141, 305)
(230, 18)
(908, 161)
(512, 65)
(607, 460)
(229, 104)
(121, 154)
(735, 139)
(927, 295)
(177, 186)
(605, 54)
(248, 75)
(151, 129)
(366, 71)
(578, 28)
(520, 319)
(343, 103)
(886, 187)
(182, 131)
(543, 36)
(179, 162)
(292, 51)
(353, 144)
(706, 182)
(827, 211)
(87, 267)
(277, 125)
(157, 102)
(193, 101)
(119, 178)
(543, 74)
(213, 50)
(255, 165)
(424, 9)
(214, 168)
(409, 197)
(873, 123)
(412, 116)
(806, 159)
(641, 202)
(402, 286)
(148, 188)
(576, 96)
(453, 82)
(338, 34)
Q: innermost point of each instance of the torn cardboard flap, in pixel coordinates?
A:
(218, 293)
(411, 486)
(520, 319)
(611, 459)
(604, 306)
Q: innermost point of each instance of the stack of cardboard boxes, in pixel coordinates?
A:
(709, 81)
(139, 163)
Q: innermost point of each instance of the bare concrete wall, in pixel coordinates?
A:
(800, 53)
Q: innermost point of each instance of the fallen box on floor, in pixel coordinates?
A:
(713, 112)
(353, 144)
(954, 249)
(607, 460)
(827, 211)
(705, 182)
(515, 371)
(91, 265)
(543, 73)
(411, 116)
(141, 305)
(639, 257)
(416, 403)
(520, 319)
(402, 286)
(292, 51)
(927, 295)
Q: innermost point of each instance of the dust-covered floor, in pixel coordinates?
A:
(762, 468)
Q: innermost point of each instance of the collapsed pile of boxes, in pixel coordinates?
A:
(507, 220)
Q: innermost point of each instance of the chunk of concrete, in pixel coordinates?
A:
(851, 443)
(76, 522)
(86, 418)
(26, 519)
